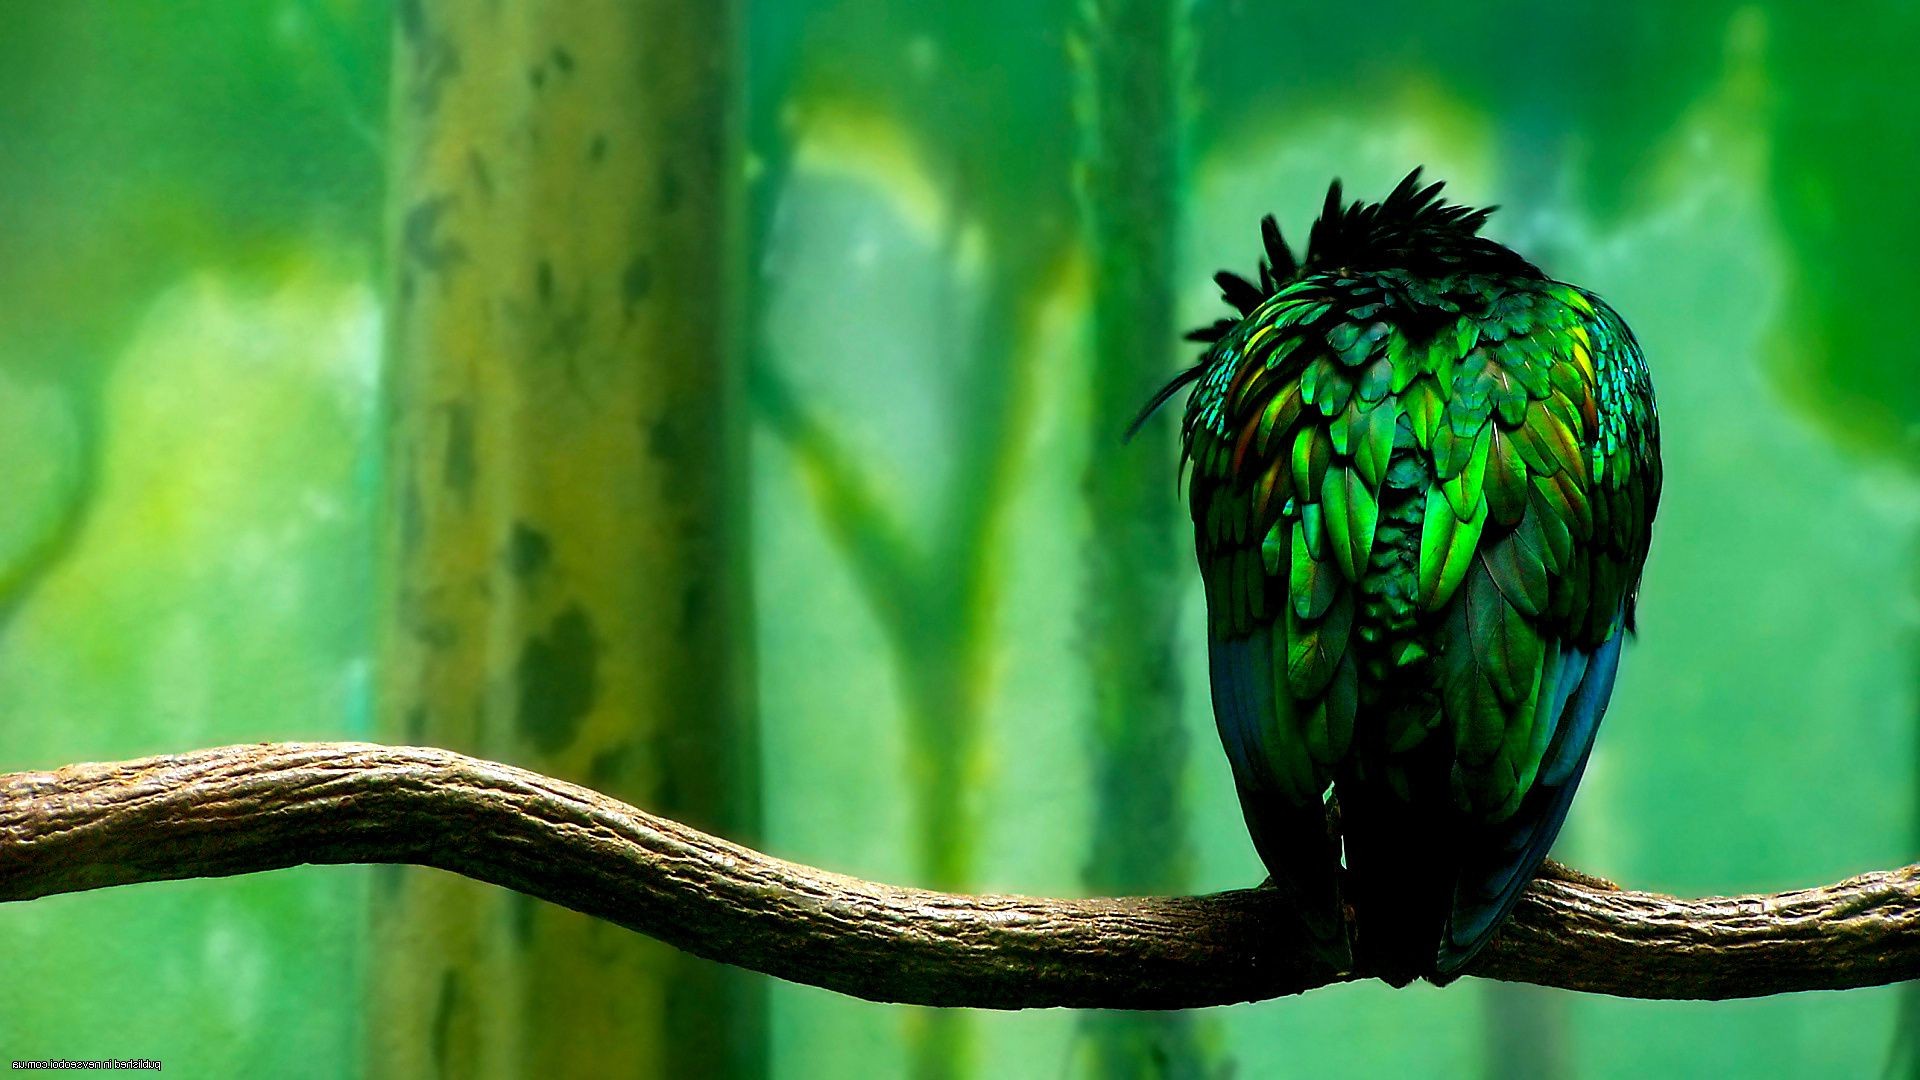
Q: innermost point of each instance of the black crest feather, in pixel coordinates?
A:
(1411, 229)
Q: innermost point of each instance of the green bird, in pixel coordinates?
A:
(1423, 481)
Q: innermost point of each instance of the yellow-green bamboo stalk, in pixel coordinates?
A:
(564, 549)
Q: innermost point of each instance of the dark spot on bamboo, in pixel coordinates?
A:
(563, 334)
(635, 283)
(520, 912)
(460, 466)
(436, 633)
(420, 237)
(443, 1012)
(597, 149)
(543, 281)
(386, 881)
(413, 515)
(666, 746)
(411, 18)
(557, 679)
(670, 190)
(528, 551)
(612, 768)
(563, 60)
(693, 607)
(537, 76)
(434, 57)
(482, 176)
(663, 442)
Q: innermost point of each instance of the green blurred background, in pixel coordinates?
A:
(366, 366)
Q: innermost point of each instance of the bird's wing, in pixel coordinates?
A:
(1531, 644)
(1289, 447)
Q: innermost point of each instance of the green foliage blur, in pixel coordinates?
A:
(192, 287)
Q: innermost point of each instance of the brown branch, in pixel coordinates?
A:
(242, 809)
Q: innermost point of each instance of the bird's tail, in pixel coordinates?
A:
(1302, 860)
(1400, 881)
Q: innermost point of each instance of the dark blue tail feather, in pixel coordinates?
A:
(1489, 887)
(1288, 831)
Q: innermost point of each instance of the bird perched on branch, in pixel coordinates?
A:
(1423, 480)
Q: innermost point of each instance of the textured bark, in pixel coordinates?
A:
(567, 462)
(243, 809)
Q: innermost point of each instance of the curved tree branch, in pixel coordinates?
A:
(242, 809)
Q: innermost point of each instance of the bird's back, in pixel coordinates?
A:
(1423, 481)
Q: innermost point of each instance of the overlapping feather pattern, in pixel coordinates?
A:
(1423, 480)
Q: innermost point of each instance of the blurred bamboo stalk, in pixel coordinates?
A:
(1845, 157)
(1130, 59)
(53, 538)
(565, 572)
(935, 599)
(934, 602)
(1524, 1033)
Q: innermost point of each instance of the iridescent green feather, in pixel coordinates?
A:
(1426, 474)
